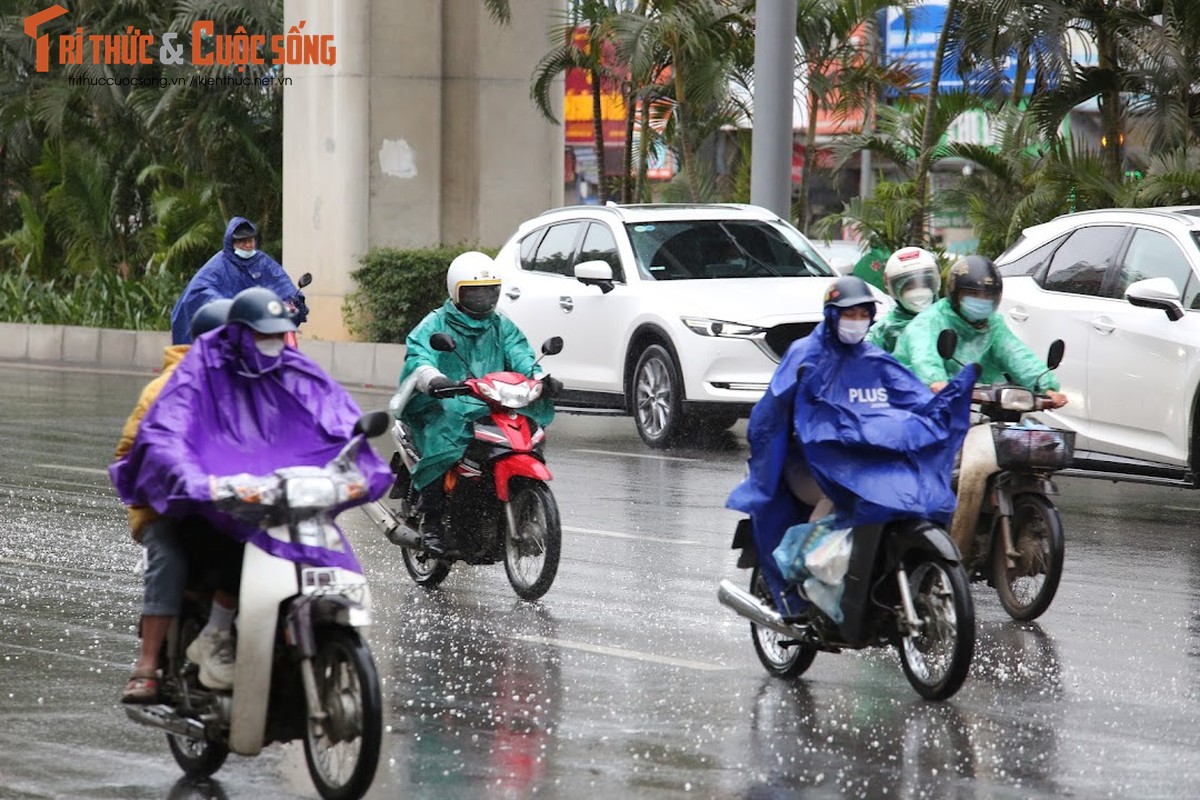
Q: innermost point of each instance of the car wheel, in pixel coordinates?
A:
(657, 397)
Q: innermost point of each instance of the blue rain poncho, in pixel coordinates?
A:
(226, 274)
(877, 441)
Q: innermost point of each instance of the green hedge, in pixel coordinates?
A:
(101, 300)
(396, 289)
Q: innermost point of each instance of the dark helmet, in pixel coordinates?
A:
(977, 273)
(245, 230)
(849, 291)
(262, 310)
(212, 314)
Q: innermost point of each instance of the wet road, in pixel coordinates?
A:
(628, 680)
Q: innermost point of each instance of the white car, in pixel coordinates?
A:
(1121, 288)
(677, 314)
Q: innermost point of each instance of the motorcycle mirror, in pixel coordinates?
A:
(442, 342)
(373, 423)
(552, 346)
(1057, 347)
(305, 280)
(947, 343)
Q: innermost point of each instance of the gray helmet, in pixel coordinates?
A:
(262, 310)
(849, 291)
(245, 230)
(212, 314)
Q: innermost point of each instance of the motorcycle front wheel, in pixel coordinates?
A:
(782, 656)
(531, 552)
(342, 749)
(937, 656)
(426, 570)
(198, 758)
(1028, 586)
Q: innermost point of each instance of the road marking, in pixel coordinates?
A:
(60, 654)
(1182, 508)
(636, 655)
(638, 536)
(88, 470)
(633, 455)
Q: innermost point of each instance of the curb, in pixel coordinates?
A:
(370, 365)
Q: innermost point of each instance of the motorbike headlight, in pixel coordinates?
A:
(717, 327)
(511, 395)
(311, 492)
(1016, 399)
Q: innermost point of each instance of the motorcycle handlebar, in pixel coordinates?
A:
(451, 391)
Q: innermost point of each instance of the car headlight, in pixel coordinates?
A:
(511, 395)
(718, 327)
(311, 492)
(1015, 399)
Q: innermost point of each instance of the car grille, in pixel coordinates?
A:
(780, 338)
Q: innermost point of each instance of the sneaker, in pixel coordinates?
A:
(213, 653)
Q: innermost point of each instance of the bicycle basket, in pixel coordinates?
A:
(1039, 448)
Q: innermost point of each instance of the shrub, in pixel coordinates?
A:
(100, 300)
(396, 289)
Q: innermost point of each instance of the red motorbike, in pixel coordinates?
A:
(498, 506)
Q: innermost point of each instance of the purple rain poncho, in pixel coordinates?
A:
(229, 409)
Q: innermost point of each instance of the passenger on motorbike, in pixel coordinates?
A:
(973, 289)
(486, 341)
(237, 266)
(876, 436)
(240, 403)
(162, 537)
(912, 279)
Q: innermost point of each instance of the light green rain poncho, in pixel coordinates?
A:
(994, 347)
(441, 428)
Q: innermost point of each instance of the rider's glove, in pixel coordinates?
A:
(437, 382)
(551, 387)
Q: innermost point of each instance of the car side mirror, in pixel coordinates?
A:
(373, 423)
(552, 346)
(1055, 356)
(442, 342)
(947, 343)
(1160, 293)
(595, 273)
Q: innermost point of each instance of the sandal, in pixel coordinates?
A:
(141, 689)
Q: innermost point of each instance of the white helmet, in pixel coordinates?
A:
(473, 283)
(911, 275)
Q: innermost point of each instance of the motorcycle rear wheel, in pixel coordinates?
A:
(425, 570)
(1027, 589)
(198, 758)
(531, 557)
(780, 659)
(937, 658)
(343, 752)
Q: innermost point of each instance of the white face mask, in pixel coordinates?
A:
(853, 331)
(917, 299)
(244, 253)
(272, 347)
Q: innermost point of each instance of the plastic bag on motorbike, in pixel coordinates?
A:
(819, 550)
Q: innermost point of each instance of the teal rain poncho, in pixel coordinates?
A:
(994, 347)
(885, 333)
(441, 428)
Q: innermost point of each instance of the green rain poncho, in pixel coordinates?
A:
(993, 347)
(441, 428)
(885, 333)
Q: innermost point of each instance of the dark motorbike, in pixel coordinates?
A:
(303, 670)
(905, 588)
(1018, 547)
(498, 506)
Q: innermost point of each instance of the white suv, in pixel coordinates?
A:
(1121, 287)
(676, 314)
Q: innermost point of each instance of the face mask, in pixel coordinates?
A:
(853, 331)
(976, 309)
(244, 253)
(272, 347)
(917, 300)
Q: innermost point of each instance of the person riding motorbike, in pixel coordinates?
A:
(973, 290)
(825, 434)
(912, 278)
(237, 266)
(164, 538)
(486, 341)
(241, 402)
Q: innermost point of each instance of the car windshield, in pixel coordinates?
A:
(699, 249)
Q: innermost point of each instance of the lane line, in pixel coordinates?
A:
(638, 536)
(633, 455)
(60, 654)
(618, 652)
(88, 470)
(1182, 508)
